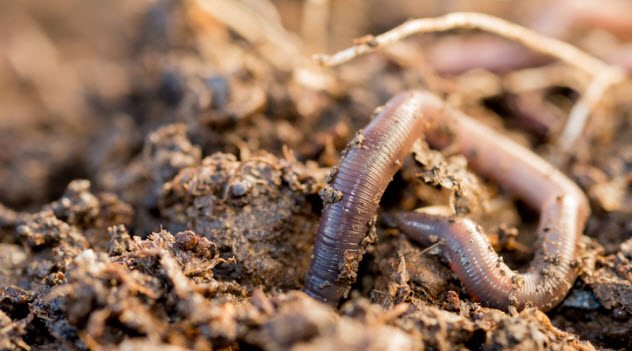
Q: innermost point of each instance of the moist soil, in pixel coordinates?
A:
(162, 167)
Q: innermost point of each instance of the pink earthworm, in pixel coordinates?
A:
(377, 152)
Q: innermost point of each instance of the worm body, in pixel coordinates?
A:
(365, 171)
(367, 167)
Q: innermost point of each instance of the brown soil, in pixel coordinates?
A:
(162, 169)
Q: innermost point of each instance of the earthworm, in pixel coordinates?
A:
(375, 155)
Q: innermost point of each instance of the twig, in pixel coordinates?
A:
(580, 112)
(604, 75)
(539, 78)
(472, 20)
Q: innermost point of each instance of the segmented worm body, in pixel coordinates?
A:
(368, 167)
(369, 163)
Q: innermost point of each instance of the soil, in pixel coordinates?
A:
(163, 169)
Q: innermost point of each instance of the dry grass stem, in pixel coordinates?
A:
(604, 75)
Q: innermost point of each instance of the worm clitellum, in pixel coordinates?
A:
(376, 154)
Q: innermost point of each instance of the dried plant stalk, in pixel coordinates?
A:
(472, 20)
(604, 75)
(578, 116)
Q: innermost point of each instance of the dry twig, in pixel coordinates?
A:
(604, 75)
(580, 112)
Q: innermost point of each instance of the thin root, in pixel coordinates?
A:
(580, 112)
(604, 75)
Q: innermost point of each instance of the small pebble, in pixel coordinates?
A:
(239, 188)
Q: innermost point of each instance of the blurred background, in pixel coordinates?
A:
(83, 82)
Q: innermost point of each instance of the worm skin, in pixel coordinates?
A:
(563, 211)
(367, 168)
(369, 163)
